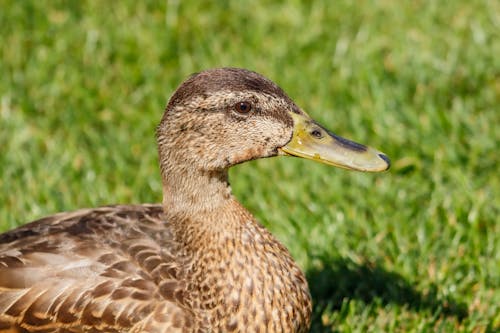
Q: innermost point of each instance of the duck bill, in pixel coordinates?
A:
(312, 141)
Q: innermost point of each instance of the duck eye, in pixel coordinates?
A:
(243, 107)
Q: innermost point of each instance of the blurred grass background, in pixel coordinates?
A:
(417, 249)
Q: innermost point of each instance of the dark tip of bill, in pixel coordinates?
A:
(385, 158)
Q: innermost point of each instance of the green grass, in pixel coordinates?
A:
(417, 249)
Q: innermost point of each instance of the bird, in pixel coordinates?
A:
(196, 262)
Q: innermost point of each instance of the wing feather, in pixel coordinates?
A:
(91, 271)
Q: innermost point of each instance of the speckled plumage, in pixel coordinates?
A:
(199, 262)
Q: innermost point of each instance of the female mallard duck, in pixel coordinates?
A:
(199, 262)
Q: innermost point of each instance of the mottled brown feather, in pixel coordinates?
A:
(59, 279)
(199, 262)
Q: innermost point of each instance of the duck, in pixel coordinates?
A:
(196, 262)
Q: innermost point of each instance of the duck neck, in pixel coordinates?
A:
(236, 259)
(188, 192)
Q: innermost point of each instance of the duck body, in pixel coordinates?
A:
(197, 262)
(122, 269)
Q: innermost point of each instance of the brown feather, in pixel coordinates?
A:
(199, 262)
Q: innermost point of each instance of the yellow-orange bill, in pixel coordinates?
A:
(312, 141)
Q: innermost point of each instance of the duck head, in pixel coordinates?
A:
(222, 117)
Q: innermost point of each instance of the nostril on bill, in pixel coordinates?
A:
(316, 133)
